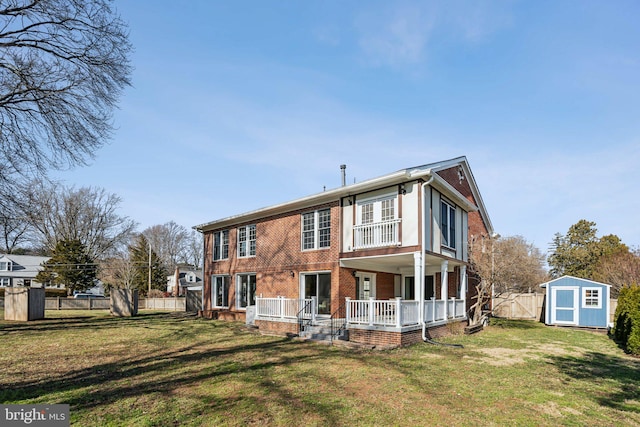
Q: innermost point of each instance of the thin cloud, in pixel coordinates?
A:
(401, 35)
(395, 37)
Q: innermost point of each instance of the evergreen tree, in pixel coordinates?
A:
(139, 255)
(71, 266)
(579, 251)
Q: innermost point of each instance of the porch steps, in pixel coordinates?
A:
(322, 333)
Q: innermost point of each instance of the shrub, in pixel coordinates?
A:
(155, 293)
(627, 319)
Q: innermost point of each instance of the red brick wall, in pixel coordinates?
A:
(278, 255)
(387, 338)
(277, 328)
(384, 286)
(477, 226)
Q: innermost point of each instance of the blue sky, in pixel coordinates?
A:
(239, 105)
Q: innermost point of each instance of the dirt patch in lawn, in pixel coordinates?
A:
(508, 356)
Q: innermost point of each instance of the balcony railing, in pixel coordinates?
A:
(376, 235)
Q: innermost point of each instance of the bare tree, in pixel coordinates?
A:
(14, 227)
(87, 214)
(619, 269)
(119, 271)
(171, 242)
(503, 265)
(194, 249)
(63, 66)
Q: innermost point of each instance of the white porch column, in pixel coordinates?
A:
(444, 286)
(418, 282)
(347, 311)
(371, 311)
(314, 309)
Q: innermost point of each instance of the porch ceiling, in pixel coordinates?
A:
(394, 263)
(386, 263)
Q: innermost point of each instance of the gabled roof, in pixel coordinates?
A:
(544, 285)
(404, 175)
(26, 266)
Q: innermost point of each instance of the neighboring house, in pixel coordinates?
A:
(189, 278)
(572, 301)
(382, 257)
(20, 270)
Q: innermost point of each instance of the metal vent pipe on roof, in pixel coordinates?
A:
(343, 170)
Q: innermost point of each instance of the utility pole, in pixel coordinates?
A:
(149, 270)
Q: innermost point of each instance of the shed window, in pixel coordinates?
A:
(591, 298)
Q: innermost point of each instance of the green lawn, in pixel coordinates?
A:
(166, 369)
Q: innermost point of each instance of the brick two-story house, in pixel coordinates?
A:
(386, 258)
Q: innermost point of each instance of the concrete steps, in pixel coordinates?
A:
(322, 333)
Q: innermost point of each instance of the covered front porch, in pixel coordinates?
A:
(382, 298)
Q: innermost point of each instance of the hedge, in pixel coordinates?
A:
(627, 319)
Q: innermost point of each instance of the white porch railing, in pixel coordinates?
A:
(286, 308)
(379, 234)
(434, 310)
(394, 313)
(398, 312)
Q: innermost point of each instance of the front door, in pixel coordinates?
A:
(365, 286)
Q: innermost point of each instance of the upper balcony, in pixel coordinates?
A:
(377, 234)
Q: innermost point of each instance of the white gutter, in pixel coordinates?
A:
(423, 248)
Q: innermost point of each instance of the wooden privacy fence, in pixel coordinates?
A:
(519, 306)
(58, 303)
(170, 304)
(63, 303)
(528, 306)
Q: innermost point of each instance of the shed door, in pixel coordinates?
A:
(564, 305)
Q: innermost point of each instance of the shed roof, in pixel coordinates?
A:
(563, 278)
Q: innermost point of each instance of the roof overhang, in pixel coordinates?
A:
(421, 172)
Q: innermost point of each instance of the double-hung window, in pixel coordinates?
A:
(5, 265)
(448, 224)
(221, 245)
(591, 298)
(247, 241)
(246, 290)
(316, 229)
(220, 291)
(4, 282)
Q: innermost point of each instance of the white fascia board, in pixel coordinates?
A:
(314, 200)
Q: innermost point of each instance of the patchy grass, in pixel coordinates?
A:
(161, 369)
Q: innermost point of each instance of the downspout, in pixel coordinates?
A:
(423, 267)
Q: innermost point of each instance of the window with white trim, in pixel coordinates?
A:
(377, 210)
(388, 209)
(5, 265)
(245, 290)
(5, 282)
(316, 229)
(591, 297)
(220, 291)
(247, 241)
(220, 245)
(448, 224)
